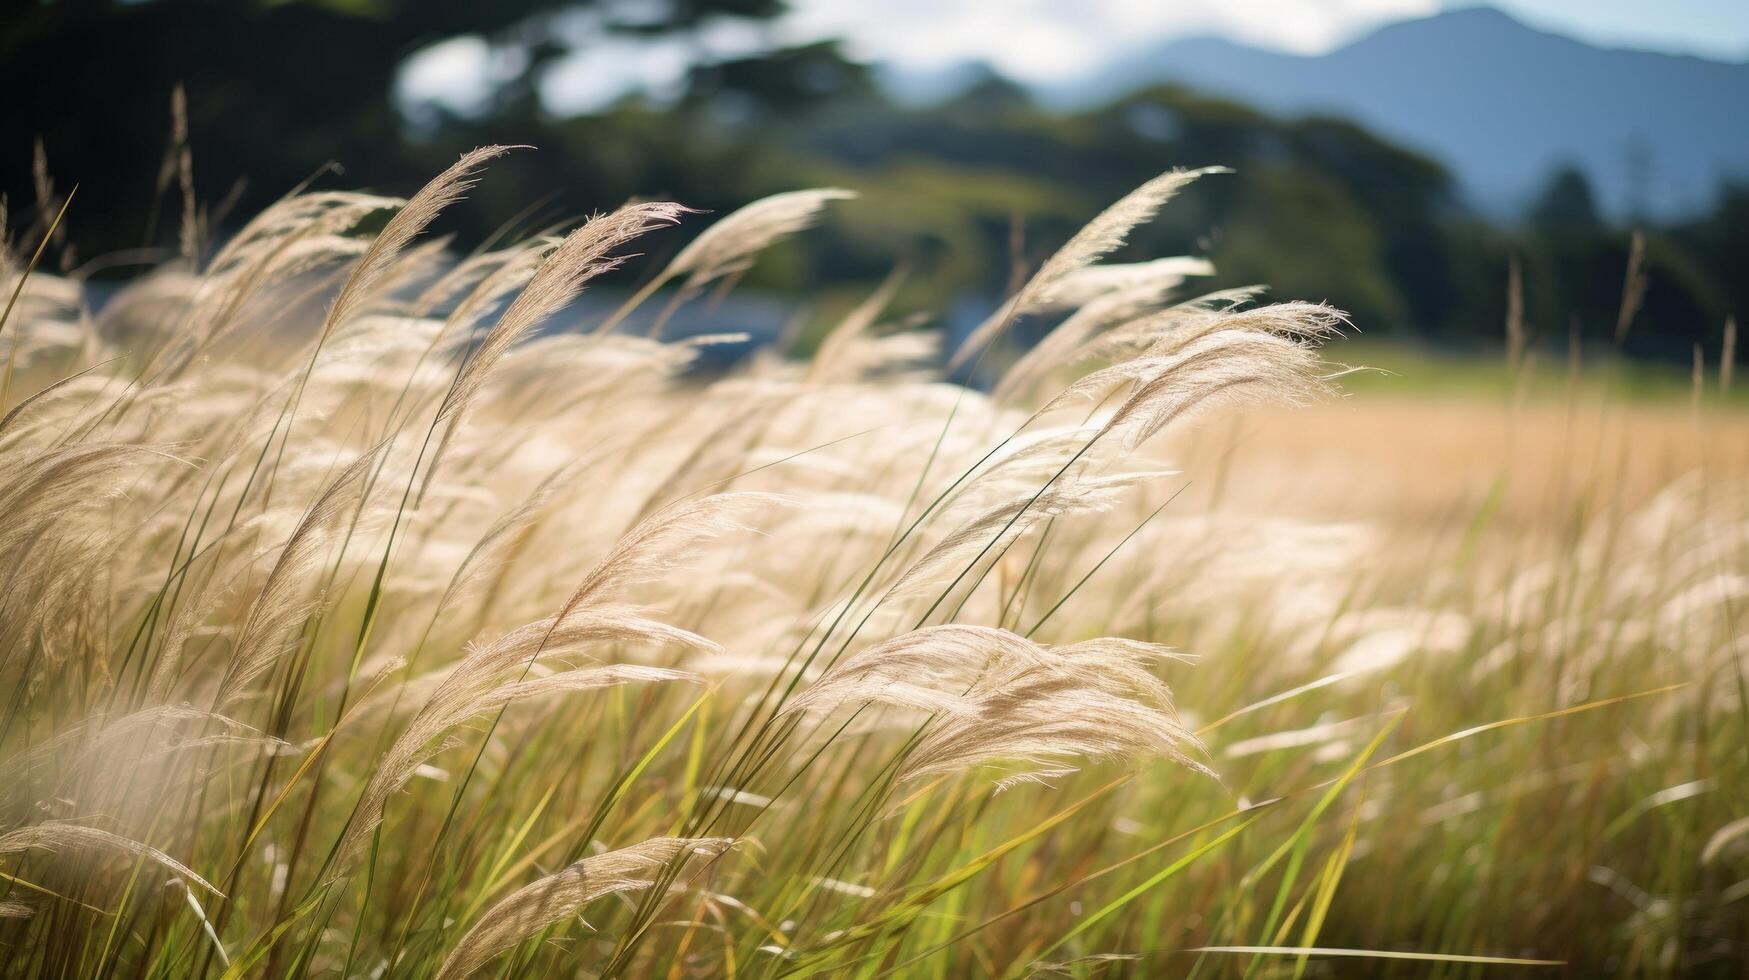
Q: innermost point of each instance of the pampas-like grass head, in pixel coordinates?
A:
(563, 893)
(995, 698)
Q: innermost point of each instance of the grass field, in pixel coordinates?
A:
(350, 625)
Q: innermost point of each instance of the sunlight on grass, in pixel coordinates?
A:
(355, 622)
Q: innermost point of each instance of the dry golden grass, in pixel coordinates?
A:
(351, 624)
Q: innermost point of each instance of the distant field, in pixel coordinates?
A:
(1394, 450)
(1405, 368)
(440, 646)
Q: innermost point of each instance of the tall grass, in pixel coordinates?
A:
(353, 624)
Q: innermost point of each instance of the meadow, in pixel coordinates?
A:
(354, 624)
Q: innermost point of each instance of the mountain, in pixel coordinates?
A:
(1500, 102)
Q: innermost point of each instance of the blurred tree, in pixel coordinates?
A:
(780, 83)
(1566, 204)
(1720, 240)
(276, 88)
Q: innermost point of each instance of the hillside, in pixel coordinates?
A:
(1499, 101)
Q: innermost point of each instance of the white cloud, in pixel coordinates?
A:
(1038, 41)
(451, 72)
(459, 74)
(1050, 40)
(604, 66)
(1031, 40)
(596, 75)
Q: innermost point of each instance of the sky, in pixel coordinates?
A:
(1041, 41)
(1047, 40)
(1710, 28)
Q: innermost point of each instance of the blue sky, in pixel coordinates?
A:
(1042, 40)
(1039, 39)
(1715, 28)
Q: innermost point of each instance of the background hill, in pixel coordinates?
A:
(1499, 102)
